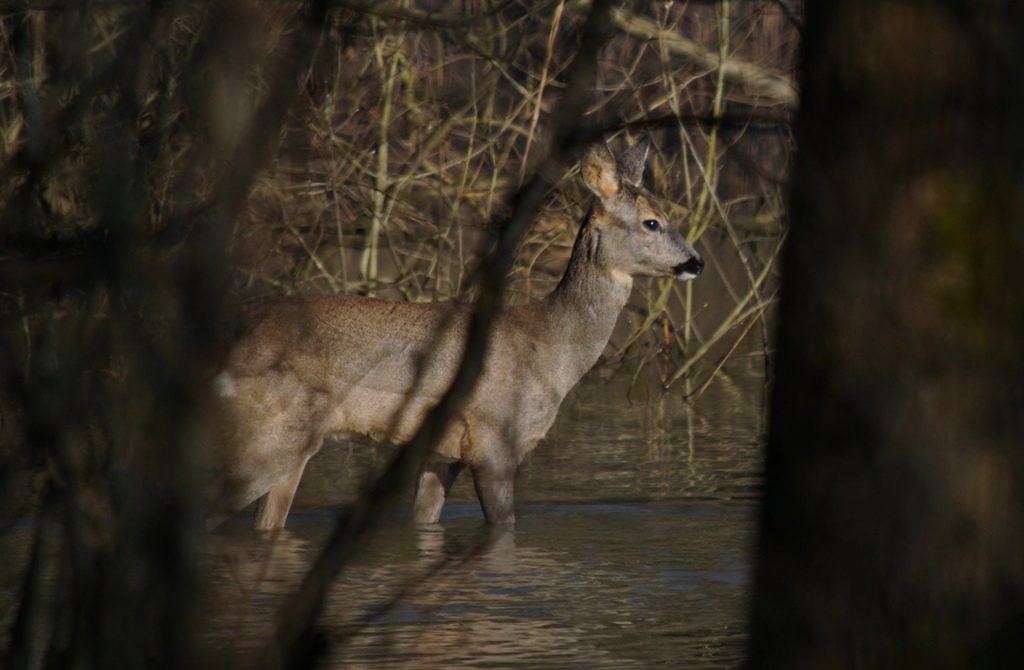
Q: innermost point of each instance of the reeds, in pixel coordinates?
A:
(164, 163)
(417, 133)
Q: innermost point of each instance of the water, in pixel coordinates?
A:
(632, 548)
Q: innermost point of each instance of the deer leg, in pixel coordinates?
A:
(432, 488)
(494, 488)
(273, 506)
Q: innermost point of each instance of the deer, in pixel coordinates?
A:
(311, 366)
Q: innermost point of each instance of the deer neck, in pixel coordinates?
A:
(586, 304)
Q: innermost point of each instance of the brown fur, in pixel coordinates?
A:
(309, 366)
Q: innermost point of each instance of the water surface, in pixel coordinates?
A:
(635, 519)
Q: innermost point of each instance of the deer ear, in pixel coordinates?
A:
(632, 160)
(600, 172)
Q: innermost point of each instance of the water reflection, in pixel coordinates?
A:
(635, 521)
(484, 601)
(598, 586)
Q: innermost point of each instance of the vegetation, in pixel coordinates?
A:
(164, 163)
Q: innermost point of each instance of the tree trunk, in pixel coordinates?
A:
(893, 523)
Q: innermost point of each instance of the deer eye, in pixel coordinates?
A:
(652, 225)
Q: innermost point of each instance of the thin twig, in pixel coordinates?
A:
(695, 396)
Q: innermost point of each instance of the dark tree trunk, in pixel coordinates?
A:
(893, 523)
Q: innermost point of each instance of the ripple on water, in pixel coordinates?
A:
(632, 549)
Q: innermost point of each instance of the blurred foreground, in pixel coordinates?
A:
(165, 163)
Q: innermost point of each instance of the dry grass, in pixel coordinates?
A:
(409, 140)
(163, 163)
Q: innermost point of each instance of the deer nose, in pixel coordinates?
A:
(693, 267)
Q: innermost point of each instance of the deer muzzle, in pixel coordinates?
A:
(690, 269)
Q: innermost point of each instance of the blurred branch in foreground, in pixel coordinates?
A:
(117, 213)
(164, 161)
(295, 643)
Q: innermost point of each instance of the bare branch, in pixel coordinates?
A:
(751, 76)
